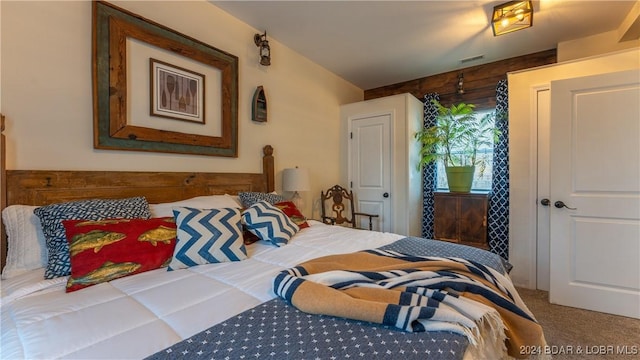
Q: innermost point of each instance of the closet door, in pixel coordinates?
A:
(381, 162)
(370, 166)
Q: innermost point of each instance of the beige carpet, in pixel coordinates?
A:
(595, 335)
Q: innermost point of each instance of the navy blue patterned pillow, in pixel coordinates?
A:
(249, 198)
(269, 223)
(51, 217)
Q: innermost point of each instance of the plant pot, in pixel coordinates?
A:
(460, 178)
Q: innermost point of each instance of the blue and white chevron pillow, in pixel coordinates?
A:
(269, 223)
(207, 236)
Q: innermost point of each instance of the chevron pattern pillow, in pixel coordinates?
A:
(269, 223)
(207, 236)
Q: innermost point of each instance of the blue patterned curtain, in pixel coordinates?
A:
(498, 219)
(429, 175)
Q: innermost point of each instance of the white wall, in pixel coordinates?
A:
(46, 94)
(522, 150)
(626, 36)
(593, 45)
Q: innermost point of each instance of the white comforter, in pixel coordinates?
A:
(139, 315)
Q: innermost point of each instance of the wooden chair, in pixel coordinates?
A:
(333, 208)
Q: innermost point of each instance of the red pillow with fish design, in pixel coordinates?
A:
(289, 208)
(104, 250)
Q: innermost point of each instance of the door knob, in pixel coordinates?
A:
(560, 205)
(545, 202)
(385, 195)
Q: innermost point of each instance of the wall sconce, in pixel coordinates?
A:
(295, 179)
(265, 51)
(460, 86)
(512, 16)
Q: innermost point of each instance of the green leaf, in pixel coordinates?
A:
(458, 135)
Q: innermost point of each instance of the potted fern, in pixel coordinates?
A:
(456, 138)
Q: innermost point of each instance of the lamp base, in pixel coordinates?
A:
(297, 200)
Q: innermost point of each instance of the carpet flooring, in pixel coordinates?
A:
(582, 334)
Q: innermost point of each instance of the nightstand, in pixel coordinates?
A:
(461, 218)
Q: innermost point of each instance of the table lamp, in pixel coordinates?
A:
(295, 180)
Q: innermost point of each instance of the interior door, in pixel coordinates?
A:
(543, 114)
(370, 167)
(595, 173)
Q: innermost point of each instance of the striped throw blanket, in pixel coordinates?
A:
(415, 294)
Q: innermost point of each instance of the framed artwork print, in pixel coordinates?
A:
(137, 60)
(176, 93)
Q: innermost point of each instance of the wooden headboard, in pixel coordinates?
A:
(42, 187)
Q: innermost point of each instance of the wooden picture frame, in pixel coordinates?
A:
(176, 93)
(113, 127)
(259, 105)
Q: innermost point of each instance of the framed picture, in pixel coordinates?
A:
(181, 68)
(176, 93)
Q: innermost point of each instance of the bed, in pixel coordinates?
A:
(220, 310)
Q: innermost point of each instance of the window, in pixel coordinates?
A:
(481, 179)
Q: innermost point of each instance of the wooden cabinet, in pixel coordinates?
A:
(461, 218)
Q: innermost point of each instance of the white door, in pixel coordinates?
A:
(369, 167)
(542, 114)
(595, 169)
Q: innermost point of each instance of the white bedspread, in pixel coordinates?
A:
(136, 316)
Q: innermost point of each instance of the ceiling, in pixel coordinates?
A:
(378, 43)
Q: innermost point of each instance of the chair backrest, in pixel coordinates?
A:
(337, 203)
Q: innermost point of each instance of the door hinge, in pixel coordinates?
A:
(351, 135)
(351, 184)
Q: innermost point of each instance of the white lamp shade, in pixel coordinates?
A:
(295, 179)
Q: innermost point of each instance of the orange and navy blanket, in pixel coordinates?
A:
(414, 294)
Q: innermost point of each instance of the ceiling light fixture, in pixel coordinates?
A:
(511, 16)
(265, 51)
